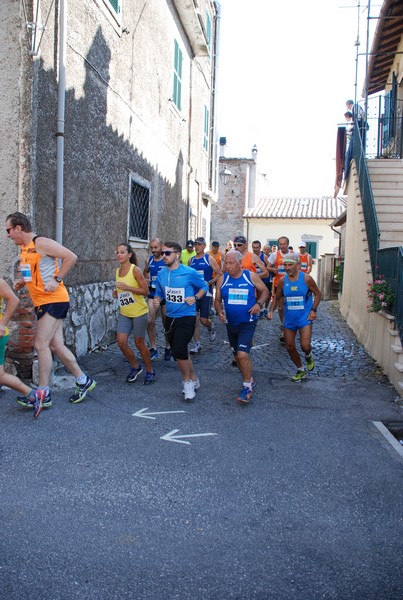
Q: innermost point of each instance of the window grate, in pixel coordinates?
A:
(139, 211)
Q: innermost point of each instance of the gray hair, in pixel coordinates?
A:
(237, 255)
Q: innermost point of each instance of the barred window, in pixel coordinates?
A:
(139, 208)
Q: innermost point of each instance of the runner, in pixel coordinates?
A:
(181, 287)
(257, 250)
(305, 259)
(299, 312)
(250, 261)
(131, 289)
(154, 264)
(238, 289)
(276, 266)
(206, 266)
(39, 258)
(188, 252)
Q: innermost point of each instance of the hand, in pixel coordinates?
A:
(51, 285)
(18, 285)
(156, 302)
(221, 317)
(269, 316)
(124, 287)
(2, 330)
(312, 315)
(190, 300)
(255, 310)
(114, 294)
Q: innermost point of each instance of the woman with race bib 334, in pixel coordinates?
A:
(132, 291)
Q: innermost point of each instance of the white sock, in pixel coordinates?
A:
(82, 379)
(247, 384)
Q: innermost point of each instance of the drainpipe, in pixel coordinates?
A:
(61, 109)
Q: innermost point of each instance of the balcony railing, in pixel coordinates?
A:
(384, 134)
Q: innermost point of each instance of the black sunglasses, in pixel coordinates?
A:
(236, 245)
(8, 229)
(167, 252)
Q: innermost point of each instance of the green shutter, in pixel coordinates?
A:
(115, 5)
(177, 83)
(206, 128)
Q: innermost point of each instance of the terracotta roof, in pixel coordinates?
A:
(387, 37)
(325, 207)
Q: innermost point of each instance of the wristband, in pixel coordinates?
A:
(314, 310)
(197, 298)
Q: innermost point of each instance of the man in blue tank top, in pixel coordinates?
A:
(296, 287)
(181, 288)
(206, 266)
(243, 293)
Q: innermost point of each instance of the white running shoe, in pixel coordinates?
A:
(188, 390)
(212, 333)
(196, 348)
(196, 384)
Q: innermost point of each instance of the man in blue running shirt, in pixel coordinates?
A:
(181, 287)
(244, 294)
(297, 288)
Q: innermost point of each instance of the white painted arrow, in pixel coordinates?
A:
(171, 437)
(140, 413)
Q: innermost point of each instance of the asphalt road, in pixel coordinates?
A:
(297, 496)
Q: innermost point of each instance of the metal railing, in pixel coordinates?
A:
(386, 261)
(384, 134)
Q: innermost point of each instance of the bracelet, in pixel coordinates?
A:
(314, 310)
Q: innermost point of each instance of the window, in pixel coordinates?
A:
(312, 249)
(139, 207)
(177, 91)
(115, 5)
(206, 128)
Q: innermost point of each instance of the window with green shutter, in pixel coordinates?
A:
(206, 128)
(115, 5)
(177, 91)
(208, 30)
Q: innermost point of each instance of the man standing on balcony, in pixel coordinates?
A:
(359, 116)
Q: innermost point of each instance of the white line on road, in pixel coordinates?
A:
(391, 438)
(142, 411)
(171, 437)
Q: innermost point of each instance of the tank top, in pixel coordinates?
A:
(262, 256)
(154, 266)
(239, 295)
(1, 315)
(279, 263)
(247, 262)
(130, 305)
(298, 296)
(303, 259)
(37, 270)
(204, 269)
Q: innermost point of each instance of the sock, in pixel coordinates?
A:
(44, 387)
(247, 384)
(82, 379)
(308, 355)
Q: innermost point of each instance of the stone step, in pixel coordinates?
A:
(399, 367)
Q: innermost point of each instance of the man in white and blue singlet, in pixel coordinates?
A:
(296, 287)
(181, 287)
(154, 263)
(244, 294)
(206, 266)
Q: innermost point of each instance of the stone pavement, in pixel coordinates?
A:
(336, 350)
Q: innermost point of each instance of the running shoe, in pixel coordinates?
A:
(196, 384)
(28, 401)
(133, 374)
(40, 395)
(253, 382)
(149, 378)
(82, 390)
(300, 375)
(154, 353)
(188, 390)
(212, 333)
(244, 395)
(310, 363)
(196, 348)
(167, 354)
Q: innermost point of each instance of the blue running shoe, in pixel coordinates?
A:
(154, 353)
(167, 354)
(28, 401)
(133, 374)
(82, 390)
(244, 395)
(149, 378)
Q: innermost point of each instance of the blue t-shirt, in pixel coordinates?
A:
(204, 269)
(154, 267)
(239, 295)
(177, 284)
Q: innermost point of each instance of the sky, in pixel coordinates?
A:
(285, 70)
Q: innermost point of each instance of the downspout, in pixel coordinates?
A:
(189, 162)
(61, 110)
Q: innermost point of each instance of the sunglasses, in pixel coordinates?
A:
(8, 229)
(236, 245)
(167, 252)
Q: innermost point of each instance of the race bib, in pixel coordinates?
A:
(200, 273)
(26, 272)
(295, 303)
(237, 296)
(152, 282)
(281, 268)
(176, 295)
(304, 266)
(125, 298)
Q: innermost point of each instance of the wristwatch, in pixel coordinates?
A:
(58, 279)
(314, 310)
(196, 298)
(260, 303)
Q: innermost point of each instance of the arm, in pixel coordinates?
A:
(201, 287)
(309, 265)
(276, 299)
(215, 267)
(262, 294)
(142, 290)
(146, 271)
(12, 302)
(218, 300)
(48, 247)
(258, 263)
(316, 292)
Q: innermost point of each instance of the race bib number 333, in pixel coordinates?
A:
(176, 295)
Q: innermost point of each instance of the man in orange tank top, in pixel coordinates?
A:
(39, 258)
(305, 259)
(250, 261)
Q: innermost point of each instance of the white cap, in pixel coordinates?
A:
(302, 245)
